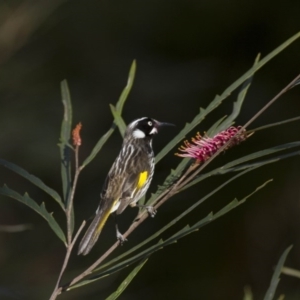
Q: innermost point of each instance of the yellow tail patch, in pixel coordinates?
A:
(142, 179)
(104, 219)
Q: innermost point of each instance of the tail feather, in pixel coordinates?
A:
(92, 234)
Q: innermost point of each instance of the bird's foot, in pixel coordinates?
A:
(151, 211)
(121, 238)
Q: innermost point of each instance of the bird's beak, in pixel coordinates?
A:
(163, 124)
(158, 125)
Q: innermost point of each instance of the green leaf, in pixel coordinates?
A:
(261, 163)
(290, 272)
(236, 203)
(233, 204)
(99, 146)
(64, 144)
(275, 278)
(238, 104)
(248, 293)
(262, 153)
(218, 99)
(171, 178)
(118, 108)
(229, 166)
(274, 124)
(127, 281)
(33, 179)
(40, 209)
(127, 89)
(15, 228)
(213, 130)
(118, 120)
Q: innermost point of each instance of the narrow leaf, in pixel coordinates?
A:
(127, 89)
(275, 124)
(218, 99)
(238, 104)
(15, 228)
(229, 166)
(275, 278)
(65, 136)
(233, 204)
(40, 209)
(262, 153)
(290, 272)
(99, 146)
(119, 109)
(118, 120)
(213, 130)
(127, 281)
(33, 179)
(236, 203)
(171, 178)
(248, 293)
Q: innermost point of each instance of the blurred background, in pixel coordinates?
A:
(186, 52)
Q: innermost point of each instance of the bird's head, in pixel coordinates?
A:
(145, 128)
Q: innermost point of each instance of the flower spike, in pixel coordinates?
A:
(202, 148)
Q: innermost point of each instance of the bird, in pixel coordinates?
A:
(128, 179)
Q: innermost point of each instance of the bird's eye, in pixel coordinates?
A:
(150, 123)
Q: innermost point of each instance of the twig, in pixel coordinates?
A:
(56, 290)
(273, 124)
(68, 211)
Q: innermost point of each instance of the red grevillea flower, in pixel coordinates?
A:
(202, 148)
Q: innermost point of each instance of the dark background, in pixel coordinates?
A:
(186, 52)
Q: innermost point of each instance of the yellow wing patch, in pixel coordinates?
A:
(142, 179)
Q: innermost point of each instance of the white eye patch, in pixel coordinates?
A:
(153, 131)
(138, 134)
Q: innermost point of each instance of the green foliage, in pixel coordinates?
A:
(118, 119)
(127, 280)
(33, 179)
(40, 209)
(224, 124)
(275, 278)
(64, 144)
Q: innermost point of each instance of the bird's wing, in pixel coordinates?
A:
(133, 183)
(109, 197)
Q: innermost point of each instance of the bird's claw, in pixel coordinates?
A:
(151, 211)
(121, 238)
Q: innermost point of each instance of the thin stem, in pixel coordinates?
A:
(273, 124)
(284, 90)
(56, 290)
(290, 272)
(70, 202)
(68, 211)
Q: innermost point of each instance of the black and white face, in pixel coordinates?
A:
(144, 127)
